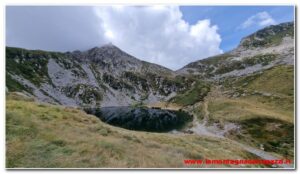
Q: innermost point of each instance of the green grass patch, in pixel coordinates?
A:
(193, 95)
(275, 135)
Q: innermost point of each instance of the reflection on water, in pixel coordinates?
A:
(143, 119)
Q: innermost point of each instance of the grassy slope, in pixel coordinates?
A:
(278, 85)
(40, 135)
(193, 95)
(14, 86)
(264, 119)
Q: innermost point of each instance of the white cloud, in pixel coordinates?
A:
(158, 34)
(260, 19)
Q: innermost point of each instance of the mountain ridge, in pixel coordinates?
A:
(100, 73)
(273, 46)
(108, 76)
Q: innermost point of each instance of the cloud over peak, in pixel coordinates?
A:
(261, 19)
(158, 34)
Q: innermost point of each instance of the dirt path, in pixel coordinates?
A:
(206, 112)
(262, 154)
(200, 128)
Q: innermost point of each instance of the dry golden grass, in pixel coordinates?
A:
(48, 136)
(245, 108)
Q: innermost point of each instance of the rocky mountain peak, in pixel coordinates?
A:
(112, 58)
(268, 47)
(106, 47)
(268, 36)
(107, 50)
(109, 45)
(107, 53)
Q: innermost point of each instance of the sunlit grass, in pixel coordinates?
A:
(43, 135)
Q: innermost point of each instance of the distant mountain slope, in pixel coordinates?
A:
(112, 59)
(271, 46)
(104, 76)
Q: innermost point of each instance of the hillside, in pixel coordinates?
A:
(252, 90)
(254, 110)
(43, 136)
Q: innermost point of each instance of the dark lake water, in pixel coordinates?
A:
(142, 119)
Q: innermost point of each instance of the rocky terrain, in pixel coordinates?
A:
(104, 76)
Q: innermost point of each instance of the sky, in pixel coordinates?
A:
(171, 36)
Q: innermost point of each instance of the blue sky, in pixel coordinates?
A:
(229, 19)
(172, 36)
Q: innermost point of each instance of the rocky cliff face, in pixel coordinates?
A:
(271, 46)
(104, 76)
